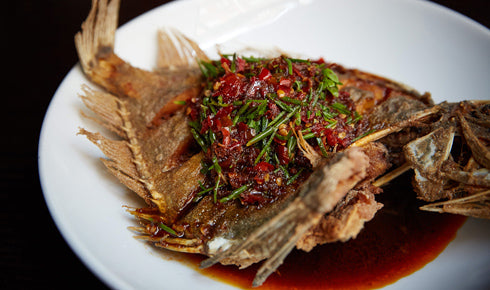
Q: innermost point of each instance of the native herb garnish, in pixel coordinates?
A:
(249, 118)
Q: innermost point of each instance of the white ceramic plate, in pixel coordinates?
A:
(421, 44)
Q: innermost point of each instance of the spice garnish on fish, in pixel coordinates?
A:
(254, 112)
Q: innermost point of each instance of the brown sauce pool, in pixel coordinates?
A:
(400, 240)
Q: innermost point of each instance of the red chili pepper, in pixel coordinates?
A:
(265, 74)
(231, 87)
(297, 72)
(252, 197)
(240, 64)
(194, 114)
(319, 61)
(283, 91)
(206, 124)
(332, 138)
(223, 112)
(282, 154)
(264, 167)
(226, 136)
(285, 82)
(318, 128)
(273, 110)
(217, 123)
(225, 60)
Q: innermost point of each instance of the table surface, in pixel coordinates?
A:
(34, 254)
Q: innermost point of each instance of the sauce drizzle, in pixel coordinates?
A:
(400, 240)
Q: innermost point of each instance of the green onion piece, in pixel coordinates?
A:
(290, 66)
(213, 109)
(263, 126)
(280, 137)
(341, 108)
(322, 147)
(309, 136)
(235, 193)
(167, 229)
(306, 130)
(266, 147)
(294, 177)
(271, 129)
(261, 135)
(298, 85)
(300, 60)
(204, 191)
(331, 81)
(334, 91)
(233, 64)
(317, 95)
(310, 94)
(195, 124)
(332, 124)
(331, 75)
(211, 136)
(215, 190)
(285, 171)
(208, 69)
(291, 145)
(277, 118)
(357, 118)
(288, 116)
(198, 139)
(297, 117)
(180, 102)
(252, 59)
(327, 114)
(252, 124)
(282, 105)
(201, 185)
(292, 101)
(240, 112)
(216, 165)
(217, 168)
(363, 135)
(204, 168)
(261, 110)
(203, 69)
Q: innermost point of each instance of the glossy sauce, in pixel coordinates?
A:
(400, 240)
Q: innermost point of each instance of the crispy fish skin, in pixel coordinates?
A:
(359, 205)
(133, 101)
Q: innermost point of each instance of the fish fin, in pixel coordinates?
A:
(475, 205)
(176, 51)
(107, 109)
(120, 162)
(98, 32)
(481, 152)
(129, 181)
(318, 195)
(308, 151)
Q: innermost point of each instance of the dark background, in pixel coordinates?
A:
(39, 53)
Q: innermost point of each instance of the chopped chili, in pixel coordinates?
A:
(247, 115)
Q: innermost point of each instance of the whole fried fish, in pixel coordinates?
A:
(295, 183)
